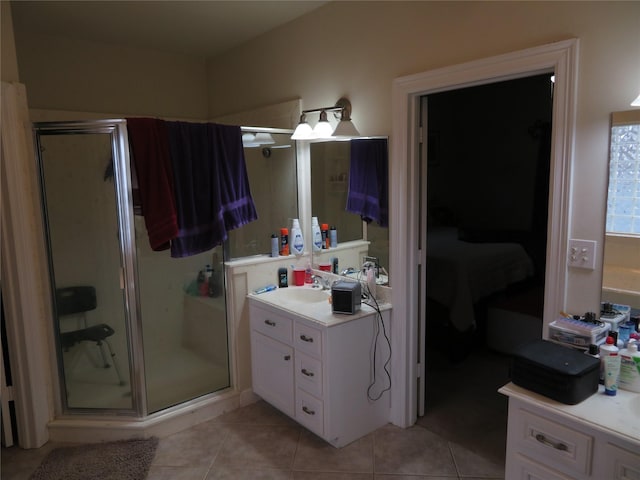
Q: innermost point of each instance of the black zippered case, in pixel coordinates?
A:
(555, 371)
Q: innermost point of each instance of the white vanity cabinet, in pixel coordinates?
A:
(597, 439)
(319, 372)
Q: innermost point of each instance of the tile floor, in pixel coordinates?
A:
(453, 441)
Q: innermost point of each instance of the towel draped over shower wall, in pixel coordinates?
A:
(368, 180)
(149, 145)
(210, 185)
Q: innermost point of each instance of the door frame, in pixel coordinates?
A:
(406, 254)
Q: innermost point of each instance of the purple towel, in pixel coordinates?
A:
(211, 184)
(368, 180)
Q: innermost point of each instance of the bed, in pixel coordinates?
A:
(460, 273)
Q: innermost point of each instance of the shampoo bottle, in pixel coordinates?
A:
(297, 242)
(630, 368)
(316, 234)
(611, 366)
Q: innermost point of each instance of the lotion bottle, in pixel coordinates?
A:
(611, 362)
(630, 368)
(297, 242)
(317, 234)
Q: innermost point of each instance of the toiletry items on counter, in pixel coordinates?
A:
(275, 247)
(267, 288)
(297, 242)
(610, 358)
(316, 234)
(577, 332)
(324, 233)
(630, 368)
(333, 237)
(283, 277)
(284, 242)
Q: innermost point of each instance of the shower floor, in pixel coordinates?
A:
(173, 376)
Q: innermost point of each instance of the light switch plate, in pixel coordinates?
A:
(582, 254)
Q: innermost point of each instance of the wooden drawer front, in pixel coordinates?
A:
(309, 412)
(307, 339)
(556, 444)
(309, 374)
(271, 324)
(621, 464)
(525, 469)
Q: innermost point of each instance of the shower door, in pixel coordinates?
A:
(84, 184)
(135, 331)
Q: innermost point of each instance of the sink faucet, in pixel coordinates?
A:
(320, 280)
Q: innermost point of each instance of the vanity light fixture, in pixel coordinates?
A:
(323, 129)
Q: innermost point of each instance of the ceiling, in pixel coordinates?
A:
(205, 28)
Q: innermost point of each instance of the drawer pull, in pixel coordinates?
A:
(271, 323)
(545, 441)
(307, 372)
(307, 411)
(287, 357)
(304, 338)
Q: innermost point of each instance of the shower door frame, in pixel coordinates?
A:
(117, 130)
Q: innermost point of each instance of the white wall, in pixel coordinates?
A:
(379, 41)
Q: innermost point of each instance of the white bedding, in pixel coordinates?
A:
(461, 273)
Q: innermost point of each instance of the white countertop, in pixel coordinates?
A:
(319, 312)
(619, 414)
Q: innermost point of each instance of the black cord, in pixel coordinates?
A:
(379, 323)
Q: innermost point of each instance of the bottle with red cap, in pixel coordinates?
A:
(610, 361)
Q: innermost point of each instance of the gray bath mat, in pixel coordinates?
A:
(122, 460)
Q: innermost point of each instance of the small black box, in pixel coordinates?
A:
(346, 297)
(560, 373)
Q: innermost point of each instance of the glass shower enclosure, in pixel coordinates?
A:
(134, 332)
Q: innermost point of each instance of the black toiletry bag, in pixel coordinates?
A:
(555, 371)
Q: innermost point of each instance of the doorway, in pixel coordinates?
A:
(408, 214)
(486, 184)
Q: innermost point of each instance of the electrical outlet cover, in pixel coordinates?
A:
(582, 254)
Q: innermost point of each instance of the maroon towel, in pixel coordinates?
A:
(149, 145)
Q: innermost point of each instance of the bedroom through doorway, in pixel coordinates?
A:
(486, 185)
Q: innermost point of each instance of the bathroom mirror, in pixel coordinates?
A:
(271, 167)
(329, 188)
(330, 163)
(621, 263)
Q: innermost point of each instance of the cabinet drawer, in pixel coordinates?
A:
(621, 464)
(555, 444)
(310, 412)
(523, 468)
(307, 339)
(271, 324)
(309, 374)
